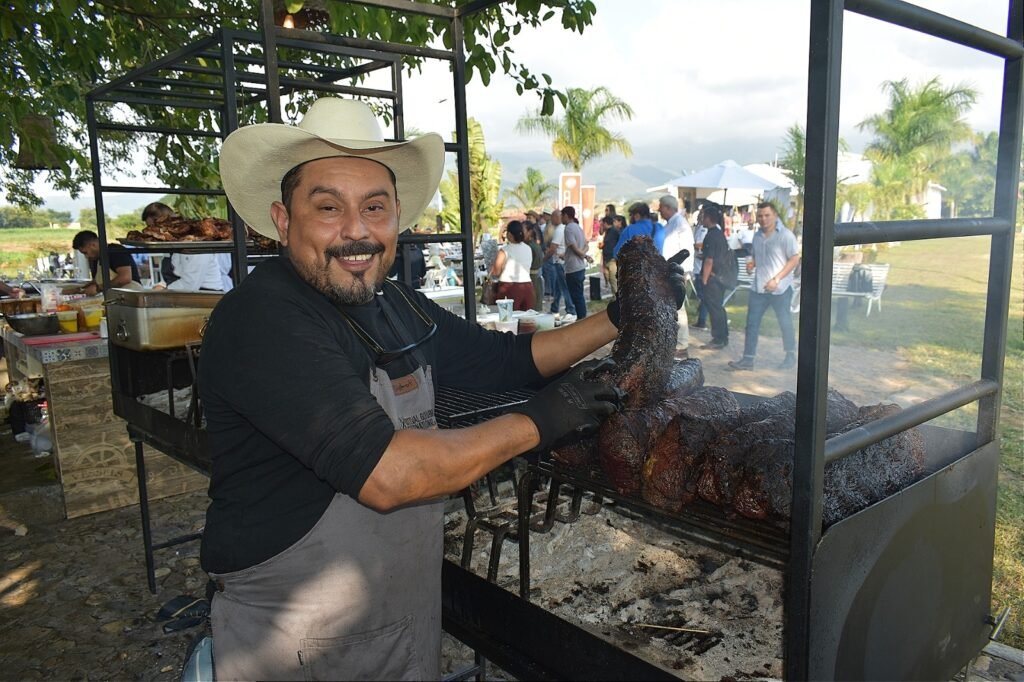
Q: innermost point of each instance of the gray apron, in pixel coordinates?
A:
(358, 597)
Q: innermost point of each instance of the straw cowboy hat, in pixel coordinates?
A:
(255, 158)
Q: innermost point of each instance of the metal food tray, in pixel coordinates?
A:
(195, 245)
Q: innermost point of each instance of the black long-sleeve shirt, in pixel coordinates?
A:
(290, 418)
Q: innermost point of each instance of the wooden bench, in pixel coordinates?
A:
(840, 283)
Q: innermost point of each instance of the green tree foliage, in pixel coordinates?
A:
(580, 135)
(794, 162)
(17, 216)
(533, 190)
(54, 51)
(969, 177)
(913, 138)
(484, 186)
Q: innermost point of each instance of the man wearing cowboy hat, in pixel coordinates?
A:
(324, 534)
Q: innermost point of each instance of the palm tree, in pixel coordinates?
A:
(913, 136)
(580, 135)
(484, 185)
(970, 177)
(794, 162)
(531, 192)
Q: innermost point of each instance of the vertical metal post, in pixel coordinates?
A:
(147, 534)
(1001, 250)
(97, 189)
(270, 61)
(823, 81)
(462, 144)
(229, 123)
(398, 108)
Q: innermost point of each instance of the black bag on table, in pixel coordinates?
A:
(489, 292)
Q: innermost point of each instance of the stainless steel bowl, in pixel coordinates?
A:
(34, 324)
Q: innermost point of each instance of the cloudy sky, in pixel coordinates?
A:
(708, 79)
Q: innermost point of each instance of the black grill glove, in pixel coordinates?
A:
(572, 406)
(676, 280)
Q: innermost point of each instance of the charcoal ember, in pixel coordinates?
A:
(671, 468)
(626, 437)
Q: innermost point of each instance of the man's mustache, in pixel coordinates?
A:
(360, 248)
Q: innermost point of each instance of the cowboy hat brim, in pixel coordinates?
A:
(255, 158)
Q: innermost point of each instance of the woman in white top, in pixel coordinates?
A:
(512, 268)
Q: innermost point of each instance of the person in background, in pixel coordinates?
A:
(124, 273)
(640, 224)
(610, 211)
(224, 264)
(545, 232)
(556, 253)
(194, 272)
(413, 254)
(576, 260)
(512, 268)
(776, 255)
(678, 236)
(609, 238)
(698, 260)
(324, 535)
(150, 215)
(718, 274)
(533, 240)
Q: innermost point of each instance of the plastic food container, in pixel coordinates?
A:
(68, 320)
(507, 326)
(93, 314)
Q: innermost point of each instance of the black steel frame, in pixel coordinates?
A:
(821, 234)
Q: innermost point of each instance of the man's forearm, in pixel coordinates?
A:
(424, 464)
(558, 349)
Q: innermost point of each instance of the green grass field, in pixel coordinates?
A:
(933, 317)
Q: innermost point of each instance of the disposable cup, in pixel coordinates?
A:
(504, 309)
(93, 313)
(68, 320)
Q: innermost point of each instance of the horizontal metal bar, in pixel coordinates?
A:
(939, 25)
(297, 83)
(477, 6)
(192, 68)
(378, 48)
(156, 129)
(142, 101)
(429, 238)
(157, 65)
(347, 72)
(844, 444)
(128, 189)
(180, 83)
(328, 43)
(847, 234)
(407, 6)
(201, 96)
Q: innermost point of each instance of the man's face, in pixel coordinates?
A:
(766, 217)
(664, 211)
(90, 250)
(342, 230)
(556, 217)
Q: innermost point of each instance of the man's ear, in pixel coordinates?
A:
(279, 214)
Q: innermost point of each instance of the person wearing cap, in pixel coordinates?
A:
(324, 533)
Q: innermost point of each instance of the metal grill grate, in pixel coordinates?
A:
(455, 408)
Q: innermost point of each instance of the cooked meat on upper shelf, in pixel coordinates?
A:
(177, 229)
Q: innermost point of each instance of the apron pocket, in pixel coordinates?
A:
(388, 653)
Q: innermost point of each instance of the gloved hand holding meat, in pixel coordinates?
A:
(574, 404)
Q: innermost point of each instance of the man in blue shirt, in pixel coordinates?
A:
(640, 224)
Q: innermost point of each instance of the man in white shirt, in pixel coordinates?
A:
(556, 255)
(576, 260)
(678, 236)
(195, 272)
